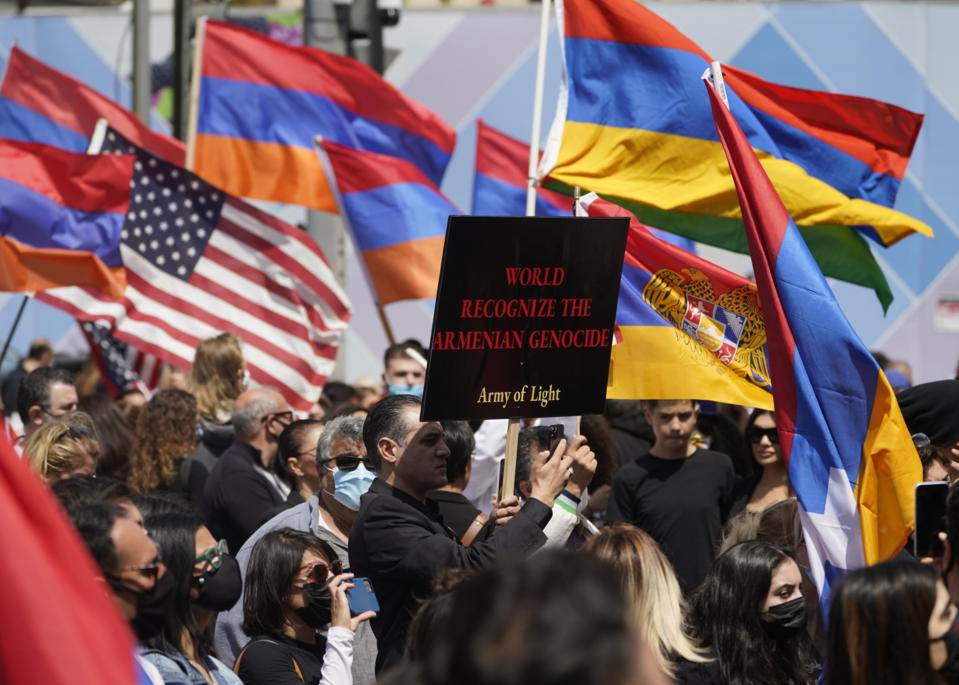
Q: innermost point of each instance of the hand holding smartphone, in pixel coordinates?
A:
(361, 597)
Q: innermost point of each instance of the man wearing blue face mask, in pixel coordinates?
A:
(404, 368)
(344, 474)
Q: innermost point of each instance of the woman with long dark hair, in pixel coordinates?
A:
(206, 579)
(750, 613)
(769, 481)
(294, 588)
(891, 623)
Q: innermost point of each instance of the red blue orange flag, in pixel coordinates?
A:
(499, 184)
(397, 217)
(59, 622)
(631, 127)
(689, 328)
(851, 460)
(61, 215)
(39, 104)
(261, 103)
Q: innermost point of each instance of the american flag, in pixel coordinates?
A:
(122, 366)
(200, 262)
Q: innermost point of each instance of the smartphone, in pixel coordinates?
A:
(550, 435)
(930, 512)
(361, 596)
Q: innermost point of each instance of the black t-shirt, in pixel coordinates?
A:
(680, 503)
(274, 660)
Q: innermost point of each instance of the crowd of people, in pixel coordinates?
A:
(659, 542)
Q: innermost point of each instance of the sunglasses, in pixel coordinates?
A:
(756, 435)
(288, 415)
(347, 462)
(213, 555)
(319, 572)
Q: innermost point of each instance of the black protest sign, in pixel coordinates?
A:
(523, 324)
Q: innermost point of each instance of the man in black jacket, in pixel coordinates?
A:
(242, 487)
(399, 540)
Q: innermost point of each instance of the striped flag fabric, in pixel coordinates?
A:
(200, 262)
(122, 367)
(851, 459)
(689, 328)
(61, 215)
(396, 215)
(499, 183)
(39, 104)
(261, 102)
(632, 127)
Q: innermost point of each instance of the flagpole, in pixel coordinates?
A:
(512, 427)
(13, 329)
(716, 77)
(195, 93)
(537, 110)
(386, 324)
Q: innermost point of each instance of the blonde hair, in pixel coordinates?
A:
(650, 585)
(215, 378)
(57, 450)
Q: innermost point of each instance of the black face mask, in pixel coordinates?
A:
(153, 606)
(318, 610)
(786, 620)
(220, 588)
(950, 669)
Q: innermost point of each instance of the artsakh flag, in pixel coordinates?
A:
(39, 104)
(61, 215)
(59, 622)
(688, 329)
(851, 460)
(397, 217)
(261, 103)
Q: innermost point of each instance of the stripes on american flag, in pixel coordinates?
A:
(122, 366)
(200, 262)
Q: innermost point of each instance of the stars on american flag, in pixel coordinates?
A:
(172, 213)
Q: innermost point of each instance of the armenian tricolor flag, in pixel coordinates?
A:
(262, 102)
(499, 184)
(851, 460)
(689, 328)
(631, 127)
(39, 104)
(61, 216)
(397, 218)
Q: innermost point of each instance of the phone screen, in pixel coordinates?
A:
(930, 509)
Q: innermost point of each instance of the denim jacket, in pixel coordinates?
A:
(176, 670)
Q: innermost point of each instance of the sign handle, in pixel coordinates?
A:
(509, 464)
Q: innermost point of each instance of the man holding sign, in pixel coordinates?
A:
(398, 539)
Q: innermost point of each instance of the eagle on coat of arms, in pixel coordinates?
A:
(728, 325)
